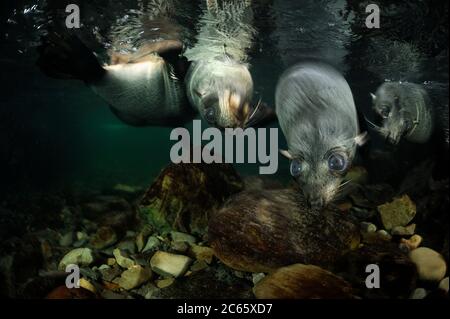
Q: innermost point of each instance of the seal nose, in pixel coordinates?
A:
(315, 202)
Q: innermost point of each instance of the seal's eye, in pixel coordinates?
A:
(296, 168)
(337, 162)
(210, 115)
(384, 111)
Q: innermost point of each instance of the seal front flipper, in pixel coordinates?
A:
(262, 115)
(65, 56)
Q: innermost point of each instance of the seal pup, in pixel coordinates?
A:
(219, 84)
(318, 117)
(406, 111)
(143, 87)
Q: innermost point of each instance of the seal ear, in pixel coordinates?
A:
(286, 154)
(361, 139)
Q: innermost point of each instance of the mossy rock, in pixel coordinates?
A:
(183, 196)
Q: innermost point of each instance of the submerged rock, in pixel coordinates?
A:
(443, 285)
(104, 237)
(152, 244)
(302, 282)
(133, 277)
(183, 195)
(122, 258)
(399, 212)
(167, 264)
(260, 231)
(430, 264)
(82, 257)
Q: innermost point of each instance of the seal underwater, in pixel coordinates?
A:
(142, 87)
(317, 114)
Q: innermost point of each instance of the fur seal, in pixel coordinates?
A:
(406, 111)
(219, 84)
(317, 114)
(142, 87)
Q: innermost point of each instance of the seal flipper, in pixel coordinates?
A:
(65, 56)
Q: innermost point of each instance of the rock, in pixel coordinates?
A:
(265, 230)
(210, 283)
(167, 264)
(198, 265)
(86, 284)
(153, 243)
(256, 278)
(413, 242)
(398, 275)
(104, 237)
(202, 253)
(179, 246)
(66, 240)
(164, 283)
(182, 237)
(443, 285)
(111, 261)
(368, 227)
(82, 257)
(127, 245)
(122, 258)
(133, 277)
(404, 230)
(418, 293)
(183, 195)
(378, 237)
(140, 241)
(399, 212)
(430, 264)
(63, 292)
(302, 282)
(110, 274)
(147, 291)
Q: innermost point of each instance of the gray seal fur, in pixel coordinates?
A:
(317, 114)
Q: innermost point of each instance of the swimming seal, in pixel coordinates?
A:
(317, 114)
(142, 87)
(406, 111)
(219, 84)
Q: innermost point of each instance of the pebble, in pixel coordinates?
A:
(122, 258)
(140, 241)
(413, 242)
(418, 293)
(399, 212)
(198, 265)
(164, 283)
(182, 237)
(111, 261)
(86, 284)
(368, 227)
(202, 253)
(384, 234)
(169, 265)
(80, 256)
(127, 245)
(147, 291)
(404, 230)
(110, 274)
(257, 277)
(104, 237)
(430, 264)
(179, 246)
(444, 284)
(152, 243)
(133, 277)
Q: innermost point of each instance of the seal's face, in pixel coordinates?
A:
(396, 121)
(320, 179)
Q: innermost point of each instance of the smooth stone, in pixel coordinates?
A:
(104, 237)
(82, 257)
(399, 212)
(404, 230)
(164, 283)
(86, 284)
(122, 258)
(413, 242)
(368, 227)
(133, 277)
(202, 253)
(418, 293)
(257, 277)
(302, 282)
(443, 285)
(153, 243)
(198, 265)
(430, 264)
(182, 237)
(167, 264)
(179, 246)
(82, 236)
(260, 231)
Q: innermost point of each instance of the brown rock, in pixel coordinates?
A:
(265, 230)
(183, 195)
(302, 282)
(104, 237)
(399, 212)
